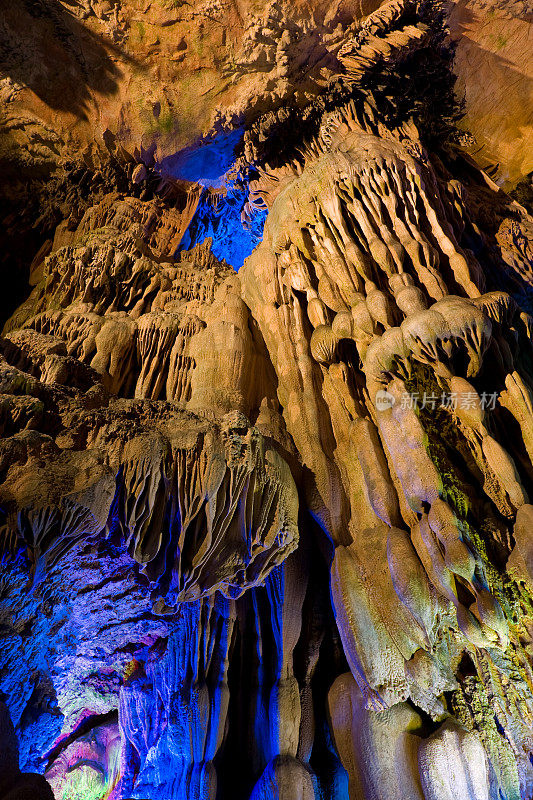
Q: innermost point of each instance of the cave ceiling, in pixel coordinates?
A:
(266, 400)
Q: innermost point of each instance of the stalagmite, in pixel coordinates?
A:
(453, 764)
(378, 484)
(285, 778)
(521, 558)
(518, 399)
(505, 470)
(373, 658)
(378, 750)
(114, 344)
(409, 579)
(155, 335)
(409, 298)
(416, 472)
(457, 555)
(266, 404)
(323, 344)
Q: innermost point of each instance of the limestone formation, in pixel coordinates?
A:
(265, 530)
(196, 479)
(387, 380)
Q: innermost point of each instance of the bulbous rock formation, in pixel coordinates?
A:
(268, 534)
(365, 221)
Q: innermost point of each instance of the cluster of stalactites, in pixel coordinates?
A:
(215, 517)
(385, 37)
(173, 710)
(369, 257)
(155, 331)
(203, 509)
(363, 271)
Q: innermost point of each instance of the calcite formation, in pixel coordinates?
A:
(268, 533)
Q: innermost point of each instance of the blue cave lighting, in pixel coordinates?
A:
(218, 215)
(219, 218)
(172, 708)
(205, 164)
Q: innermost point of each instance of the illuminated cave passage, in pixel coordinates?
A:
(219, 217)
(206, 163)
(266, 402)
(221, 204)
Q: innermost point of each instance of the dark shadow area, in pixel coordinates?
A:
(14, 784)
(46, 48)
(523, 192)
(254, 669)
(502, 227)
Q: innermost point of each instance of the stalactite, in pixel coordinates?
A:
(267, 534)
(426, 314)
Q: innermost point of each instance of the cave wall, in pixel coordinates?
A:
(266, 409)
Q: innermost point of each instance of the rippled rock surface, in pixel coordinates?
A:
(267, 532)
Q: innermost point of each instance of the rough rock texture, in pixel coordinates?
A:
(264, 534)
(166, 72)
(133, 486)
(162, 71)
(176, 484)
(495, 77)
